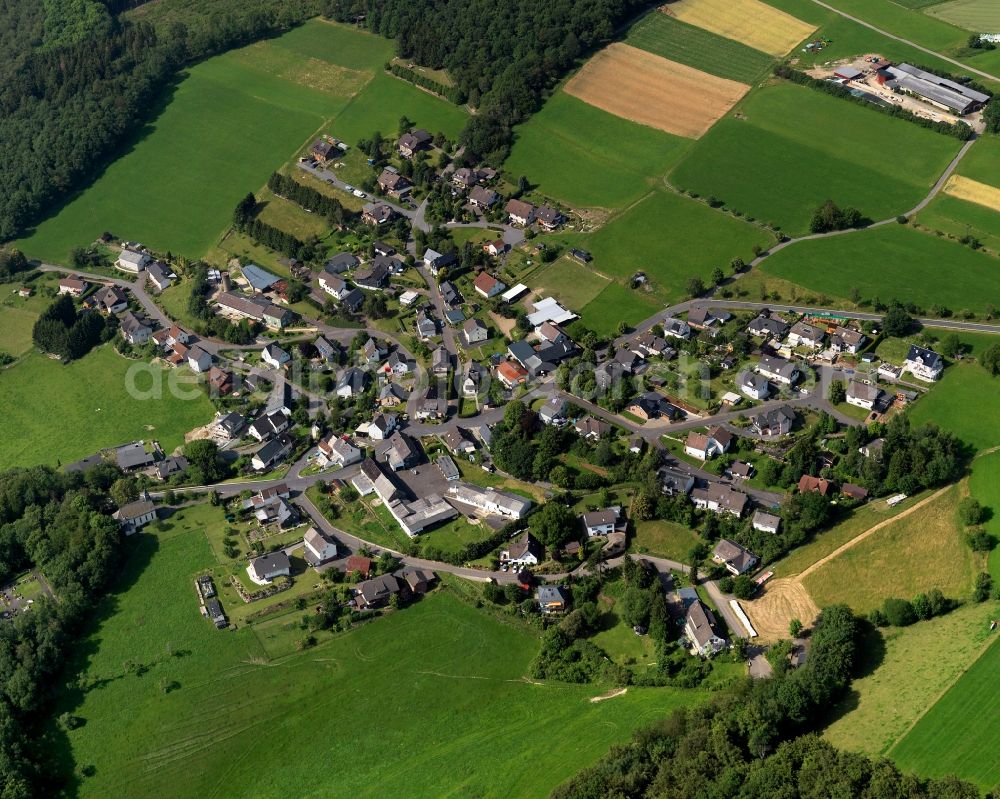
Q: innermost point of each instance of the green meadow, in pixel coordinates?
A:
(696, 47)
(587, 157)
(892, 262)
(958, 218)
(434, 697)
(789, 148)
(227, 125)
(979, 16)
(961, 388)
(671, 238)
(984, 484)
(57, 413)
(958, 734)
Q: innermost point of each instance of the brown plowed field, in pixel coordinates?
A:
(651, 90)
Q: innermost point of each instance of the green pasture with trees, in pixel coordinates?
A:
(218, 692)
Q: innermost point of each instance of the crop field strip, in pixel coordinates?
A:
(651, 90)
(752, 22)
(974, 192)
(678, 41)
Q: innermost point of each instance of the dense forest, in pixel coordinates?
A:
(75, 81)
(60, 524)
(757, 741)
(502, 55)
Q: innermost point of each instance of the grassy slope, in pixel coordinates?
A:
(588, 157)
(974, 15)
(861, 519)
(671, 238)
(962, 388)
(918, 664)
(388, 704)
(86, 407)
(669, 37)
(15, 330)
(892, 262)
(230, 122)
(958, 734)
(787, 155)
(984, 484)
(936, 557)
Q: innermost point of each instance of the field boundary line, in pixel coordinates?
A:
(940, 695)
(870, 531)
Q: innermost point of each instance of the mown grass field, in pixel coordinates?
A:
(919, 662)
(861, 519)
(671, 238)
(892, 262)
(228, 124)
(957, 218)
(59, 413)
(15, 330)
(979, 16)
(669, 37)
(936, 556)
(963, 387)
(572, 283)
(587, 157)
(780, 155)
(958, 735)
(400, 700)
(666, 538)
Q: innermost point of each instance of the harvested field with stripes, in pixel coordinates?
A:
(651, 90)
(751, 22)
(973, 191)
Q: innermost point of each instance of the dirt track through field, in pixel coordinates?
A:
(786, 598)
(973, 191)
(651, 90)
(870, 531)
(751, 22)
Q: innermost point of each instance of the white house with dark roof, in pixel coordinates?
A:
(735, 558)
(778, 369)
(274, 356)
(135, 515)
(318, 547)
(804, 334)
(601, 522)
(133, 330)
(924, 364)
(862, 395)
(264, 569)
(719, 498)
(766, 522)
(753, 385)
(199, 360)
(700, 630)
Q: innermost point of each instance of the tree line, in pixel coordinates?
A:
(70, 96)
(245, 221)
(958, 129)
(503, 55)
(312, 200)
(453, 94)
(60, 524)
(757, 740)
